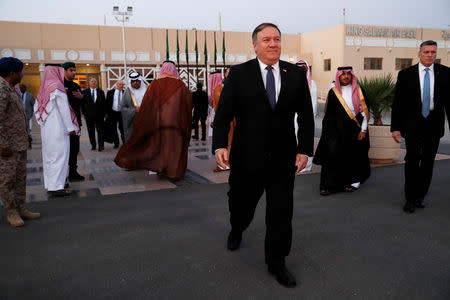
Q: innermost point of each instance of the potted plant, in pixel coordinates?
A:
(380, 91)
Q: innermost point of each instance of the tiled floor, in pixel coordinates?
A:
(103, 177)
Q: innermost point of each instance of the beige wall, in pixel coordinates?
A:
(101, 46)
(324, 44)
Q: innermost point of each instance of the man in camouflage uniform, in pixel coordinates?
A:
(13, 144)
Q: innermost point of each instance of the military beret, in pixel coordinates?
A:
(11, 64)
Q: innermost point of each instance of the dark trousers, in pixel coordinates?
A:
(246, 188)
(116, 118)
(94, 124)
(73, 154)
(421, 151)
(195, 120)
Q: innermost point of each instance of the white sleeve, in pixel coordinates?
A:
(62, 104)
(364, 122)
(313, 91)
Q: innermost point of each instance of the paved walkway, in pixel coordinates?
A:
(130, 235)
(170, 244)
(103, 177)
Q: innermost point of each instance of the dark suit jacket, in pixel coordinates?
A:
(200, 104)
(110, 100)
(261, 132)
(93, 110)
(407, 106)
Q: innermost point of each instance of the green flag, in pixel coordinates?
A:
(167, 44)
(215, 49)
(187, 54)
(223, 48)
(196, 49)
(178, 50)
(205, 51)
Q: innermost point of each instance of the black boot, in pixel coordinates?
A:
(74, 176)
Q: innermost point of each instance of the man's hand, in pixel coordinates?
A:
(72, 132)
(222, 158)
(397, 136)
(361, 135)
(5, 152)
(300, 162)
(77, 94)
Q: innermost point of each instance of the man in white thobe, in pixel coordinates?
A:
(57, 122)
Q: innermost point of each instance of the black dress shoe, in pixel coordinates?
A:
(419, 204)
(75, 177)
(101, 148)
(116, 146)
(93, 148)
(195, 137)
(409, 207)
(283, 276)
(234, 241)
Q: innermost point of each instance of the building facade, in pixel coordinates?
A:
(98, 50)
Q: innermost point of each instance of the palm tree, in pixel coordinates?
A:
(380, 92)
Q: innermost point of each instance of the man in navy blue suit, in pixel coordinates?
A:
(263, 95)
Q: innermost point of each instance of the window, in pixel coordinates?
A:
(401, 63)
(437, 60)
(372, 63)
(327, 64)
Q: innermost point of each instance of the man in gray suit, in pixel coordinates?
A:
(28, 103)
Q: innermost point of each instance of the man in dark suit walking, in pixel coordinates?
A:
(263, 95)
(113, 105)
(94, 112)
(422, 94)
(200, 106)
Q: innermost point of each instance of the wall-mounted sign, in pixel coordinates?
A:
(380, 32)
(445, 35)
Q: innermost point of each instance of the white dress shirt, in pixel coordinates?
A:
(276, 75)
(116, 105)
(422, 73)
(347, 95)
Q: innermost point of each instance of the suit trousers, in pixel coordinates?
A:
(13, 180)
(94, 124)
(421, 151)
(73, 154)
(246, 188)
(202, 120)
(116, 118)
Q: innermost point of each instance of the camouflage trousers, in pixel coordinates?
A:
(13, 181)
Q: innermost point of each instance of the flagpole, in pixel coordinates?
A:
(187, 60)
(196, 55)
(206, 65)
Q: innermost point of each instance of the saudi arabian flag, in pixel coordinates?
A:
(223, 48)
(178, 50)
(205, 51)
(187, 53)
(215, 49)
(196, 49)
(167, 44)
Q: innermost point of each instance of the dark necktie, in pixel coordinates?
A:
(120, 99)
(270, 87)
(93, 95)
(426, 94)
